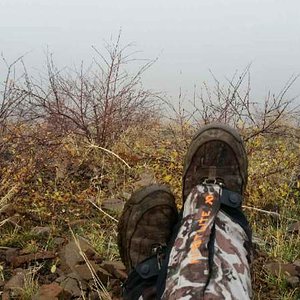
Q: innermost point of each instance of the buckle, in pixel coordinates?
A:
(212, 181)
(159, 251)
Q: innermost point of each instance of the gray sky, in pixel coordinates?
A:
(189, 36)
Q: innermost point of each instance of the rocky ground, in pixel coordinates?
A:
(71, 270)
(60, 204)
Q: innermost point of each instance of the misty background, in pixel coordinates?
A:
(189, 38)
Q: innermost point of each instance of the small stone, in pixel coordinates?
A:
(115, 205)
(58, 241)
(116, 289)
(82, 283)
(1, 284)
(16, 282)
(92, 255)
(74, 276)
(120, 274)
(84, 272)
(5, 295)
(10, 254)
(116, 268)
(22, 259)
(146, 178)
(8, 210)
(297, 262)
(79, 222)
(294, 228)
(70, 287)
(126, 195)
(113, 265)
(48, 292)
(60, 279)
(257, 242)
(41, 231)
(277, 268)
(12, 221)
(70, 255)
(293, 281)
(103, 275)
(94, 295)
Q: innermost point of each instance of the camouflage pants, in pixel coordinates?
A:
(201, 267)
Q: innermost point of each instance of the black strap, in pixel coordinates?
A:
(148, 268)
(144, 276)
(231, 199)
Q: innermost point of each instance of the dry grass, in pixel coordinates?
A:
(89, 176)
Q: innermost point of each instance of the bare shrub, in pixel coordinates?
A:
(99, 102)
(11, 97)
(232, 104)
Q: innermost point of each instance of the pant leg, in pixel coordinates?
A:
(230, 277)
(208, 259)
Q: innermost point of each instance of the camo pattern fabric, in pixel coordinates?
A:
(230, 276)
(188, 267)
(190, 274)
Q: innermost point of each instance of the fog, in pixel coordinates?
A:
(189, 38)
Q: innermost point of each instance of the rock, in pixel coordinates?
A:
(94, 295)
(112, 265)
(48, 278)
(41, 231)
(126, 195)
(120, 274)
(83, 284)
(8, 210)
(293, 281)
(58, 241)
(257, 241)
(116, 268)
(49, 292)
(277, 268)
(12, 221)
(146, 178)
(294, 228)
(16, 282)
(60, 279)
(297, 262)
(2, 255)
(22, 259)
(116, 289)
(92, 255)
(11, 253)
(70, 255)
(103, 275)
(71, 287)
(115, 205)
(5, 295)
(84, 272)
(79, 222)
(59, 272)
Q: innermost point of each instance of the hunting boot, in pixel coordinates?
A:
(144, 231)
(210, 254)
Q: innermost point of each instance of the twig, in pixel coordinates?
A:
(101, 210)
(96, 279)
(272, 213)
(110, 152)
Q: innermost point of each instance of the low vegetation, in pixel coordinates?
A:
(74, 147)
